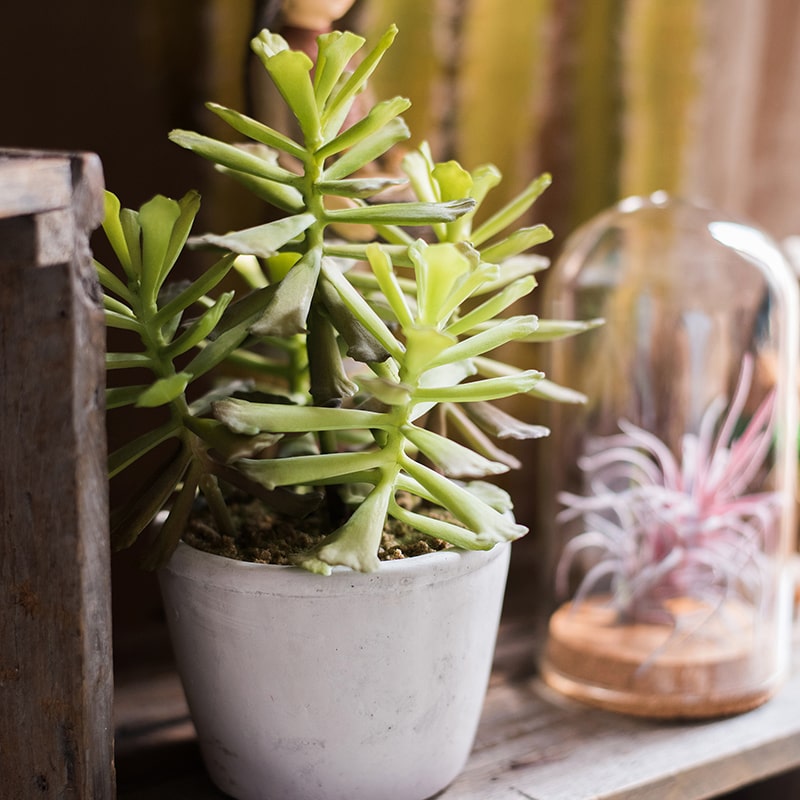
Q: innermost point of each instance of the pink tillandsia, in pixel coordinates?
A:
(667, 529)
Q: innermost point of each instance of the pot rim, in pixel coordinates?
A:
(190, 563)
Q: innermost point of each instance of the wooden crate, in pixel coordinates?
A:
(56, 732)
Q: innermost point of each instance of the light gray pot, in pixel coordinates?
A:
(350, 687)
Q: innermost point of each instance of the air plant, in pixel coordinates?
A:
(362, 352)
(665, 528)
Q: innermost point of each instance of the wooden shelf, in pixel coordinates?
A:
(531, 743)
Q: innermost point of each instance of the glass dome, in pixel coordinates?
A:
(674, 484)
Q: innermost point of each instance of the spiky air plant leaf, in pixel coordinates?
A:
(661, 527)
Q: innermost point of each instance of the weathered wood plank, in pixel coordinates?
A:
(31, 183)
(56, 738)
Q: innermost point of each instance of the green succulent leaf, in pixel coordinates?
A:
(164, 390)
(474, 437)
(401, 213)
(112, 227)
(127, 360)
(262, 240)
(520, 382)
(235, 158)
(451, 458)
(503, 332)
(280, 195)
(489, 526)
(174, 525)
(342, 97)
(357, 187)
(493, 307)
(502, 425)
(361, 344)
(199, 330)
(355, 544)
(132, 519)
(110, 282)
(543, 388)
(519, 241)
(287, 311)
(550, 330)
(512, 211)
(334, 51)
(251, 418)
(367, 150)
(132, 451)
(378, 117)
(361, 310)
(258, 131)
(309, 470)
(209, 280)
(290, 72)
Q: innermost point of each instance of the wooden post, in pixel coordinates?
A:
(56, 686)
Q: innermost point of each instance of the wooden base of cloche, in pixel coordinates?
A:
(706, 665)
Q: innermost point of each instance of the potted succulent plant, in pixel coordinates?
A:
(358, 424)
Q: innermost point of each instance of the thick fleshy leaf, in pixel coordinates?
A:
(127, 360)
(110, 282)
(209, 279)
(503, 332)
(250, 418)
(357, 187)
(342, 97)
(132, 519)
(367, 150)
(328, 381)
(226, 444)
(262, 240)
(287, 311)
(438, 268)
(164, 390)
(218, 350)
(542, 388)
(334, 51)
(486, 389)
(551, 329)
(502, 425)
(456, 535)
(286, 198)
(114, 233)
(468, 432)
(175, 524)
(361, 309)
(308, 470)
(118, 307)
(451, 458)
(378, 117)
(290, 71)
(381, 265)
(512, 269)
(493, 307)
(355, 544)
(233, 157)
(489, 525)
(361, 344)
(200, 329)
(132, 451)
(401, 213)
(129, 222)
(418, 165)
(423, 347)
(390, 393)
(258, 131)
(518, 242)
(512, 211)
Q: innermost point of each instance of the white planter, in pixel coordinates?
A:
(350, 687)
